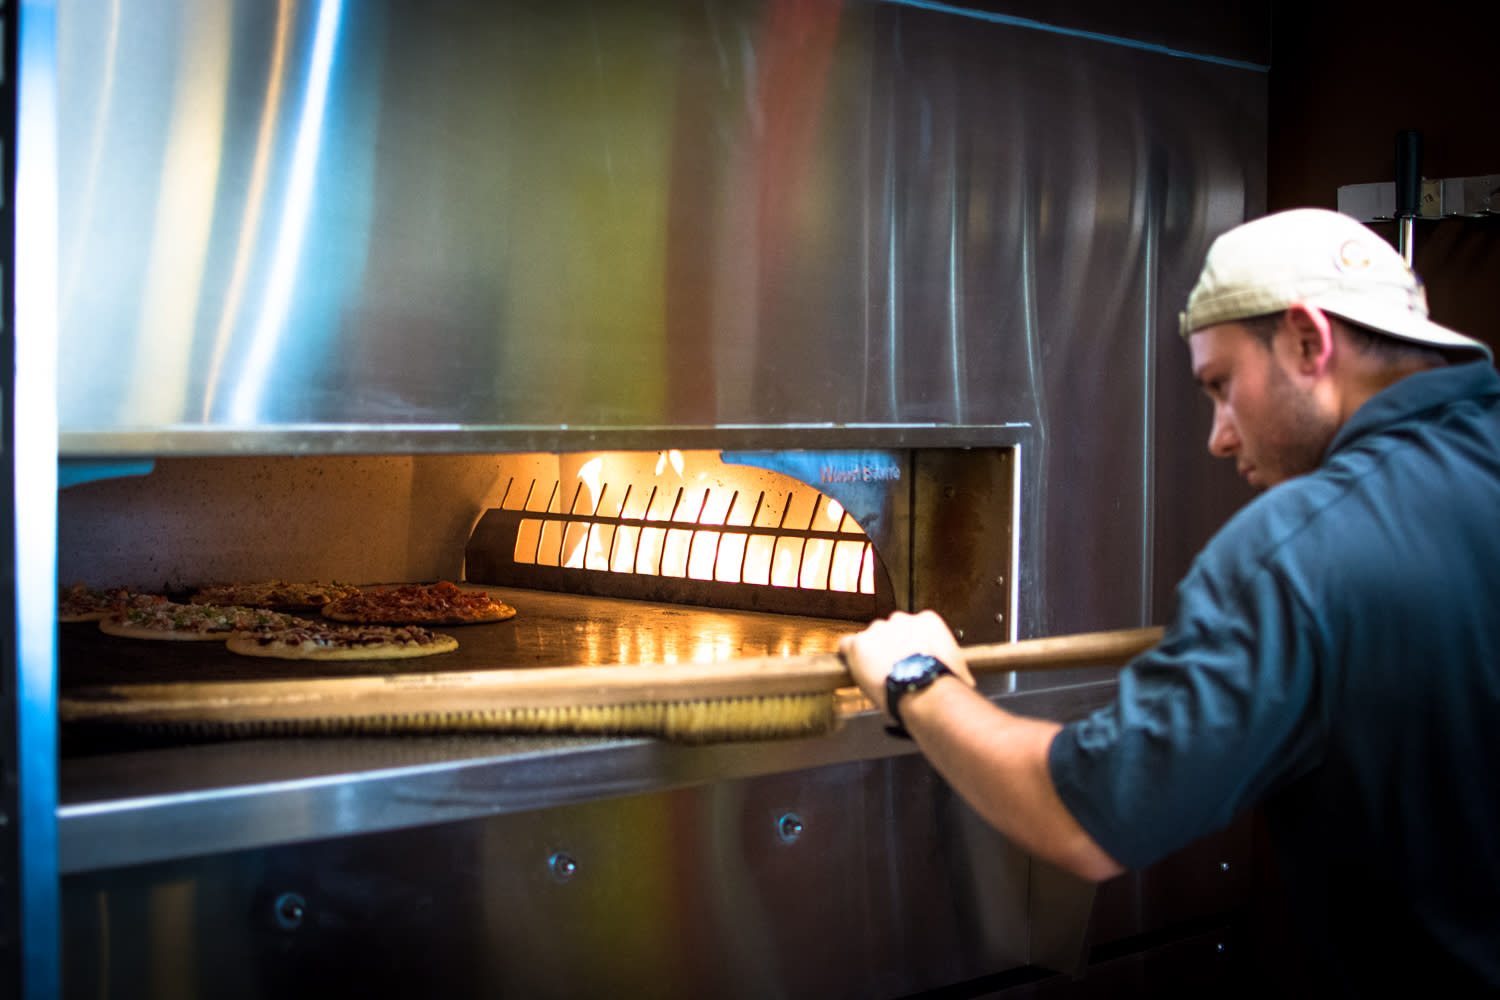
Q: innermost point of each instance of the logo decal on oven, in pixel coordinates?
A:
(882, 473)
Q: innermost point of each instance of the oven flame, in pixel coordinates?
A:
(689, 515)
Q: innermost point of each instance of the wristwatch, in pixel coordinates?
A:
(908, 674)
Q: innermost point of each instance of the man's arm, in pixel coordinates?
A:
(995, 760)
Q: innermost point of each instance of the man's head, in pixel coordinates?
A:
(1296, 319)
(1269, 380)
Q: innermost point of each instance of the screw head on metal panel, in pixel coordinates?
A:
(562, 866)
(789, 827)
(289, 910)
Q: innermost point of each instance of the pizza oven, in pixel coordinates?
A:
(695, 333)
(306, 841)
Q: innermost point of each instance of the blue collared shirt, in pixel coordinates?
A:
(1335, 657)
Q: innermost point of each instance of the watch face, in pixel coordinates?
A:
(913, 668)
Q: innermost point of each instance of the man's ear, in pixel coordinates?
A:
(1312, 334)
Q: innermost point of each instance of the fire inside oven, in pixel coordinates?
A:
(684, 528)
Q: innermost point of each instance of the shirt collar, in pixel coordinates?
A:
(1415, 393)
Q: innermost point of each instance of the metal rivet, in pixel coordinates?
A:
(562, 866)
(789, 827)
(1000, 618)
(1223, 866)
(290, 910)
(1219, 946)
(999, 581)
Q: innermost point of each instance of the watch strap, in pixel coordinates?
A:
(895, 690)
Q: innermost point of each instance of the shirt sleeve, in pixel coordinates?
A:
(1205, 723)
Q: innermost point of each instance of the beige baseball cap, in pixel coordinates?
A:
(1320, 258)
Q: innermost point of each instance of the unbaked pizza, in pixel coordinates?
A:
(324, 641)
(277, 595)
(441, 603)
(193, 622)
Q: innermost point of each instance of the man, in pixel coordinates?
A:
(1335, 653)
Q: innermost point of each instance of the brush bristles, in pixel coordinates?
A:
(784, 716)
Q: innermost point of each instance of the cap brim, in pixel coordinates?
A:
(1411, 326)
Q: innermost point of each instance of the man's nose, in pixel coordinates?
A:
(1222, 440)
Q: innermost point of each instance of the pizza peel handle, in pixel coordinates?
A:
(1063, 652)
(551, 688)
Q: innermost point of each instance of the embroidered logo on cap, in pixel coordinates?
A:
(1353, 256)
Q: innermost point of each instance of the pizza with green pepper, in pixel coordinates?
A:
(326, 641)
(194, 622)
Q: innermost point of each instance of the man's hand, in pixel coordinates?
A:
(870, 654)
(995, 760)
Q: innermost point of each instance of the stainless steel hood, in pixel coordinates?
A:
(333, 226)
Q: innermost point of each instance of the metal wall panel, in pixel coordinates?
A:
(656, 214)
(861, 880)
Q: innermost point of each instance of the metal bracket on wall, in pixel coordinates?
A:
(1450, 198)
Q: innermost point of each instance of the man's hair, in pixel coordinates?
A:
(1372, 343)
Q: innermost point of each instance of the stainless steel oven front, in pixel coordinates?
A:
(333, 281)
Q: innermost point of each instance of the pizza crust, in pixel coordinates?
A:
(173, 622)
(266, 646)
(115, 626)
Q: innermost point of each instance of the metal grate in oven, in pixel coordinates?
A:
(769, 550)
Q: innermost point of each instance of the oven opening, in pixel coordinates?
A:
(632, 557)
(685, 527)
(842, 534)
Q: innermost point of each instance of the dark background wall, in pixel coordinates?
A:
(1345, 78)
